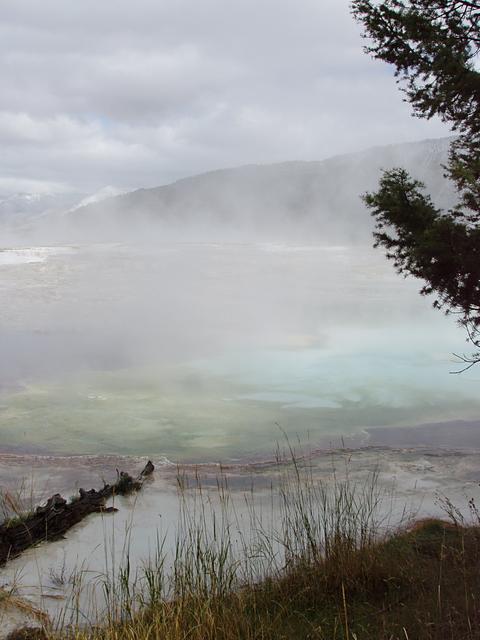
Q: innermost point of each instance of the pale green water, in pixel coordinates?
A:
(201, 352)
(211, 352)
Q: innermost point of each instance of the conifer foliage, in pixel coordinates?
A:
(434, 46)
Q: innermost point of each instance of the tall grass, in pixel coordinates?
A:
(226, 554)
(314, 560)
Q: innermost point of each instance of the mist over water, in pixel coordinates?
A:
(178, 332)
(186, 277)
(206, 319)
(211, 351)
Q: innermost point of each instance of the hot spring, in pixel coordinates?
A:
(214, 352)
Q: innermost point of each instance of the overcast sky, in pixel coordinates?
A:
(135, 93)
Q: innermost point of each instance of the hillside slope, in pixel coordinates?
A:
(319, 201)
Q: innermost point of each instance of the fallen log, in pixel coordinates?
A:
(51, 521)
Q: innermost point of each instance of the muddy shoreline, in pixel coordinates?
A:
(416, 466)
(442, 455)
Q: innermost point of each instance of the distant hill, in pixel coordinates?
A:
(20, 207)
(317, 201)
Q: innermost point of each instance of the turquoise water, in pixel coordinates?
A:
(215, 352)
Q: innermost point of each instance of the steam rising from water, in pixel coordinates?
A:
(209, 351)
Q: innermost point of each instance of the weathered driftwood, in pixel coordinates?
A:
(57, 516)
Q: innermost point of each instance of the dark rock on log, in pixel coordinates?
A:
(51, 521)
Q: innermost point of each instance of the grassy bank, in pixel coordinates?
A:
(328, 568)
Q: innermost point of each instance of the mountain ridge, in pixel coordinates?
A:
(298, 200)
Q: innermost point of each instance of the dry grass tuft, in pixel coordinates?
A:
(330, 570)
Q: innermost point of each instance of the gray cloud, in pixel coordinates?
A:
(139, 94)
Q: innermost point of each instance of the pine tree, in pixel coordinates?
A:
(434, 46)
